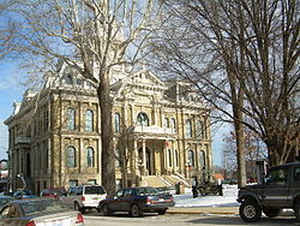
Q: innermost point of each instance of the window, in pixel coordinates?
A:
(188, 128)
(117, 122)
(191, 158)
(142, 119)
(71, 119)
(297, 174)
(90, 155)
(73, 183)
(176, 158)
(69, 79)
(201, 159)
(173, 125)
(170, 157)
(89, 121)
(199, 129)
(166, 123)
(71, 157)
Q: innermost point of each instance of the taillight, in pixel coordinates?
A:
(79, 218)
(82, 198)
(31, 223)
(148, 201)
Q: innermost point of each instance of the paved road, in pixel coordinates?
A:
(93, 219)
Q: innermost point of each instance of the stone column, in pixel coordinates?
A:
(144, 156)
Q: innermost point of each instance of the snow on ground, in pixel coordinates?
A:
(229, 197)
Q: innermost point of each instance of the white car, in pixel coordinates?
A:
(85, 197)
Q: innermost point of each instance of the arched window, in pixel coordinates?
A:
(71, 157)
(173, 125)
(201, 159)
(199, 129)
(170, 157)
(166, 123)
(142, 119)
(71, 119)
(176, 158)
(89, 121)
(188, 128)
(191, 158)
(117, 122)
(90, 157)
(69, 79)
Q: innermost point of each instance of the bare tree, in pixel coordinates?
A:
(95, 38)
(243, 54)
(6, 29)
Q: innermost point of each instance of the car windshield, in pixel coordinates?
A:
(147, 191)
(43, 207)
(93, 190)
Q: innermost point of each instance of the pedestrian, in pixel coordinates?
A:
(195, 188)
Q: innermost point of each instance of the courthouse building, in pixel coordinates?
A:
(54, 135)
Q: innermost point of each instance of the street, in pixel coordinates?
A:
(93, 219)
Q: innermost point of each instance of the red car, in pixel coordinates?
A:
(136, 201)
(53, 193)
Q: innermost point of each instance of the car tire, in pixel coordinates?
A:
(271, 212)
(105, 210)
(135, 211)
(162, 212)
(250, 211)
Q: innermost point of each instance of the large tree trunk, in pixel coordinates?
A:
(107, 156)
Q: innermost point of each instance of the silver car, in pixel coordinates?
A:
(34, 212)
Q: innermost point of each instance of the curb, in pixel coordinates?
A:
(202, 211)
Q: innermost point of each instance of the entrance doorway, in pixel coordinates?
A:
(148, 163)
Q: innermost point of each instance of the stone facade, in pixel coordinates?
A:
(54, 135)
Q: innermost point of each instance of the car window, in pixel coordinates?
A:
(119, 194)
(147, 191)
(128, 192)
(94, 190)
(43, 206)
(297, 174)
(278, 176)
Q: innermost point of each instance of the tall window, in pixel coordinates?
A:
(71, 119)
(201, 159)
(71, 157)
(176, 158)
(191, 158)
(188, 128)
(199, 129)
(90, 156)
(173, 125)
(166, 123)
(69, 79)
(170, 157)
(142, 119)
(89, 121)
(117, 122)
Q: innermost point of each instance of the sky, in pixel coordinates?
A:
(11, 90)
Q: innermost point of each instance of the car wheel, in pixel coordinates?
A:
(135, 211)
(250, 211)
(105, 210)
(82, 210)
(162, 212)
(76, 206)
(271, 212)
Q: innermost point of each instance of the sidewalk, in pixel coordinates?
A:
(204, 210)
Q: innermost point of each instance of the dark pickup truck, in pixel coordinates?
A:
(281, 189)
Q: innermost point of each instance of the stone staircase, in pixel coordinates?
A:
(163, 181)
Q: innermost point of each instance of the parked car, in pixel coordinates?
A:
(33, 212)
(24, 194)
(55, 193)
(136, 201)
(5, 199)
(84, 197)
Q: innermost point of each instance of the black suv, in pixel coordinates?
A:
(281, 189)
